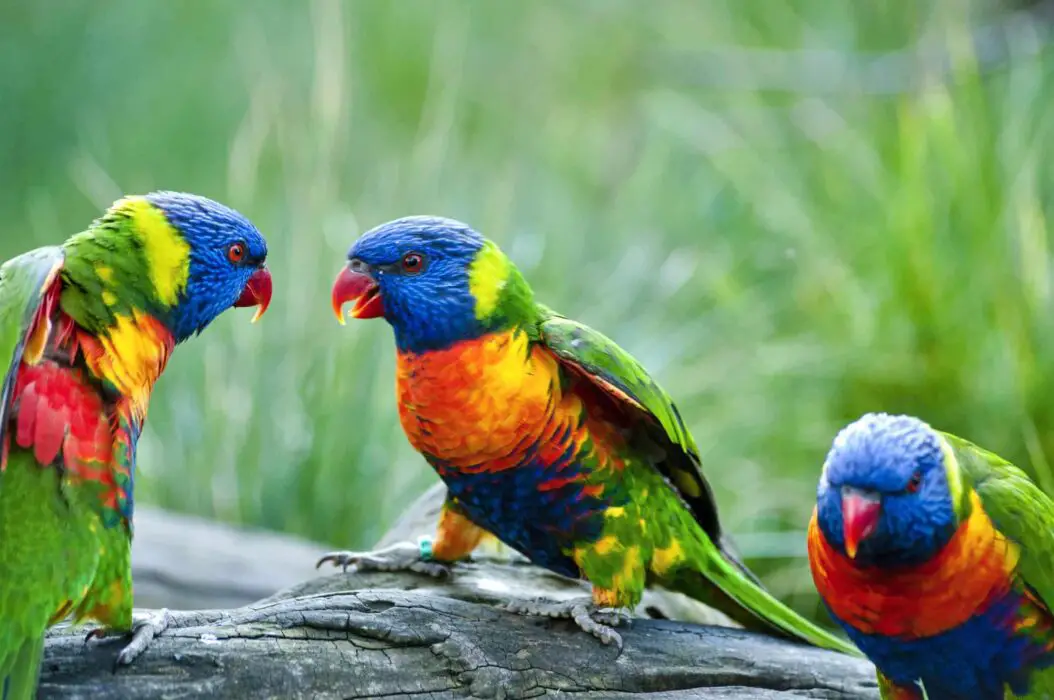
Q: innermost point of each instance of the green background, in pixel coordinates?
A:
(787, 215)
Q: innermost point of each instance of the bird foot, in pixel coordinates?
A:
(144, 629)
(401, 556)
(599, 622)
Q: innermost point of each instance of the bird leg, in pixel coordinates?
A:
(144, 629)
(456, 537)
(592, 617)
(401, 556)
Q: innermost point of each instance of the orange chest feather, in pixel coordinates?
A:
(974, 569)
(479, 399)
(490, 404)
(130, 356)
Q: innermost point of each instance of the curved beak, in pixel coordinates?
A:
(860, 513)
(359, 288)
(257, 292)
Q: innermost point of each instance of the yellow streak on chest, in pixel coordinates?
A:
(131, 356)
(479, 399)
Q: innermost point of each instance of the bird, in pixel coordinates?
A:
(86, 329)
(549, 437)
(936, 557)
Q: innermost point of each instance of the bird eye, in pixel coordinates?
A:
(915, 483)
(236, 252)
(413, 263)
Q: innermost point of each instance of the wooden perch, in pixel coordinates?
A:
(402, 635)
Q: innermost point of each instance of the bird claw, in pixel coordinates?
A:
(98, 633)
(145, 628)
(599, 622)
(401, 556)
(612, 617)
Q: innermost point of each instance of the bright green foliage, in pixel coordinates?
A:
(785, 247)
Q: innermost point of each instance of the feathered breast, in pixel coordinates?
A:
(969, 574)
(130, 356)
(497, 402)
(478, 401)
(80, 400)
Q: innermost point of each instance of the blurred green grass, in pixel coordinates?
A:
(782, 260)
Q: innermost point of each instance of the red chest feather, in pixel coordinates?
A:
(58, 410)
(476, 401)
(968, 574)
(61, 411)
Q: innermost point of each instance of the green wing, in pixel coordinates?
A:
(594, 356)
(23, 283)
(1018, 508)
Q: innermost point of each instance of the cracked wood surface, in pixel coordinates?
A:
(403, 635)
(380, 643)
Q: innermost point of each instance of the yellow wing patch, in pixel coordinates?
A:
(487, 277)
(605, 545)
(626, 579)
(167, 253)
(687, 483)
(662, 560)
(36, 342)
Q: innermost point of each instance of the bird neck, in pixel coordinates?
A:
(110, 295)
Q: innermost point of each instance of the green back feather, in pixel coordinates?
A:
(104, 274)
(595, 356)
(22, 281)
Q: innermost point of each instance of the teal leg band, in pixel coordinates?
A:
(425, 543)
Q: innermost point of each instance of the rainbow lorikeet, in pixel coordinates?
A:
(85, 330)
(548, 435)
(937, 558)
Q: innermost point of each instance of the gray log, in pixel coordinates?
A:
(401, 635)
(184, 562)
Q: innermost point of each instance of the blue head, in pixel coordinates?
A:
(201, 257)
(888, 495)
(435, 280)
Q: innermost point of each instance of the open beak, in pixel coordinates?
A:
(860, 513)
(359, 288)
(257, 293)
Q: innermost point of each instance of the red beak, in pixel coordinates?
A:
(359, 288)
(257, 293)
(860, 512)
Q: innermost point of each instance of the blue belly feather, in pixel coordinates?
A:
(974, 661)
(541, 525)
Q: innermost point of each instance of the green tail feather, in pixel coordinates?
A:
(726, 589)
(20, 670)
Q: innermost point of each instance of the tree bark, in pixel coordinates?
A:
(403, 635)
